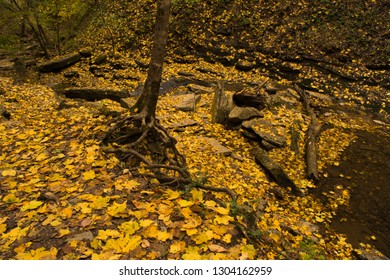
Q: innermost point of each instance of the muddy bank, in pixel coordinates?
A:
(365, 170)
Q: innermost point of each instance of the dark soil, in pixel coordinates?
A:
(365, 170)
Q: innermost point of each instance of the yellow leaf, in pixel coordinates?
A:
(227, 238)
(64, 232)
(89, 175)
(222, 211)
(197, 195)
(3, 228)
(163, 235)
(177, 247)
(104, 234)
(192, 231)
(150, 232)
(9, 172)
(55, 223)
(275, 237)
(66, 212)
(171, 194)
(48, 220)
(192, 222)
(185, 203)
(10, 198)
(129, 227)
(210, 203)
(224, 220)
(100, 202)
(116, 209)
(32, 205)
(129, 243)
(41, 157)
(145, 223)
(192, 254)
(203, 237)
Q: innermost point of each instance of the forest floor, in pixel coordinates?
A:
(62, 197)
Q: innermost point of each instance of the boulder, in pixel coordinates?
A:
(59, 63)
(186, 102)
(198, 89)
(221, 106)
(265, 131)
(240, 114)
(245, 65)
(216, 146)
(243, 99)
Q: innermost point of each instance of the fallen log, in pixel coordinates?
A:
(59, 63)
(93, 94)
(275, 170)
(312, 133)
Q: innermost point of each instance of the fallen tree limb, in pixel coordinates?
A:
(311, 136)
(93, 94)
(274, 169)
(59, 63)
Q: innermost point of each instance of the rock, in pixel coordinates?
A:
(265, 131)
(221, 106)
(240, 114)
(100, 59)
(245, 65)
(217, 147)
(369, 254)
(93, 94)
(185, 74)
(127, 103)
(186, 102)
(142, 64)
(184, 123)
(6, 64)
(198, 89)
(71, 74)
(87, 52)
(273, 88)
(59, 63)
(279, 99)
(319, 95)
(4, 113)
(243, 99)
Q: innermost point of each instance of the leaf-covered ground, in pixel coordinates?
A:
(61, 197)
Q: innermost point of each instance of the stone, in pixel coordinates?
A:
(184, 123)
(266, 131)
(221, 106)
(319, 95)
(100, 59)
(59, 63)
(245, 65)
(187, 102)
(198, 89)
(240, 114)
(217, 147)
(273, 88)
(71, 74)
(87, 52)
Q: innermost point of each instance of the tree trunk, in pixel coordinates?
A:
(147, 102)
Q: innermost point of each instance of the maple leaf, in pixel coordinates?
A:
(163, 235)
(129, 243)
(89, 175)
(177, 247)
(192, 253)
(116, 209)
(34, 204)
(129, 227)
(9, 172)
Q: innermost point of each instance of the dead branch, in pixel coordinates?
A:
(311, 136)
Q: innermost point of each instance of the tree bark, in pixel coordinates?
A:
(147, 102)
(312, 133)
(274, 169)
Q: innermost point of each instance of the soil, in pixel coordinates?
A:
(365, 170)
